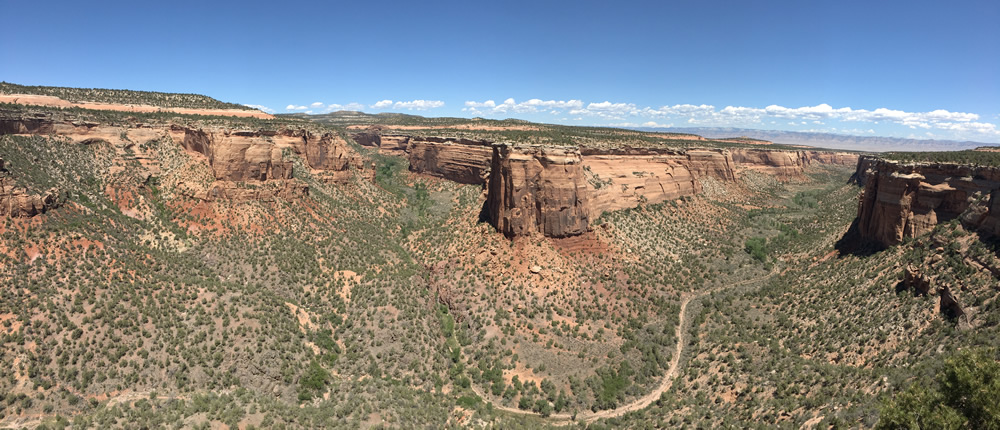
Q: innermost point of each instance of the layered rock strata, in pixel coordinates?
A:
(901, 200)
(626, 178)
(460, 160)
(536, 189)
(17, 202)
(245, 164)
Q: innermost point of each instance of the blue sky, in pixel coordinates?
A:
(905, 69)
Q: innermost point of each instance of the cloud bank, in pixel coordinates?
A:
(418, 105)
(963, 123)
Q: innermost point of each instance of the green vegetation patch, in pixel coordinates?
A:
(101, 95)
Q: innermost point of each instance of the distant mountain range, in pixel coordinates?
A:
(826, 140)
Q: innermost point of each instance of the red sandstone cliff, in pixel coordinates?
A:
(235, 157)
(902, 200)
(535, 189)
(623, 179)
(17, 202)
(784, 165)
(460, 160)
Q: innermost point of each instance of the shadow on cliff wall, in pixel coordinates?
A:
(851, 243)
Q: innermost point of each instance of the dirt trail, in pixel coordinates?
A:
(644, 401)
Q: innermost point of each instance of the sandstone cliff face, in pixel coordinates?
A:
(784, 165)
(833, 158)
(624, 179)
(535, 189)
(16, 202)
(716, 164)
(621, 179)
(906, 200)
(459, 160)
(253, 157)
(238, 156)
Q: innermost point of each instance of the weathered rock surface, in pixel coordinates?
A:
(238, 156)
(783, 165)
(624, 179)
(460, 160)
(18, 202)
(833, 158)
(618, 179)
(536, 189)
(246, 164)
(456, 159)
(905, 200)
(914, 280)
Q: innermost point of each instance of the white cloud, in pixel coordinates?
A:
(260, 108)
(293, 107)
(350, 106)
(382, 104)
(316, 105)
(554, 107)
(418, 104)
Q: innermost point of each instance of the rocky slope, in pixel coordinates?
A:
(903, 200)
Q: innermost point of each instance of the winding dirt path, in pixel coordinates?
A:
(644, 401)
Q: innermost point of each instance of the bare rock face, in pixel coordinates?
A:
(368, 138)
(783, 165)
(460, 160)
(624, 179)
(949, 304)
(17, 202)
(238, 156)
(914, 280)
(833, 158)
(906, 200)
(535, 189)
(330, 154)
(717, 164)
(393, 143)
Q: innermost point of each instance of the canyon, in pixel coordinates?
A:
(556, 191)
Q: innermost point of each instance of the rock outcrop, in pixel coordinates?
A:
(622, 179)
(535, 189)
(460, 160)
(238, 156)
(831, 158)
(783, 165)
(256, 158)
(916, 281)
(18, 202)
(456, 159)
(901, 200)
(527, 194)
